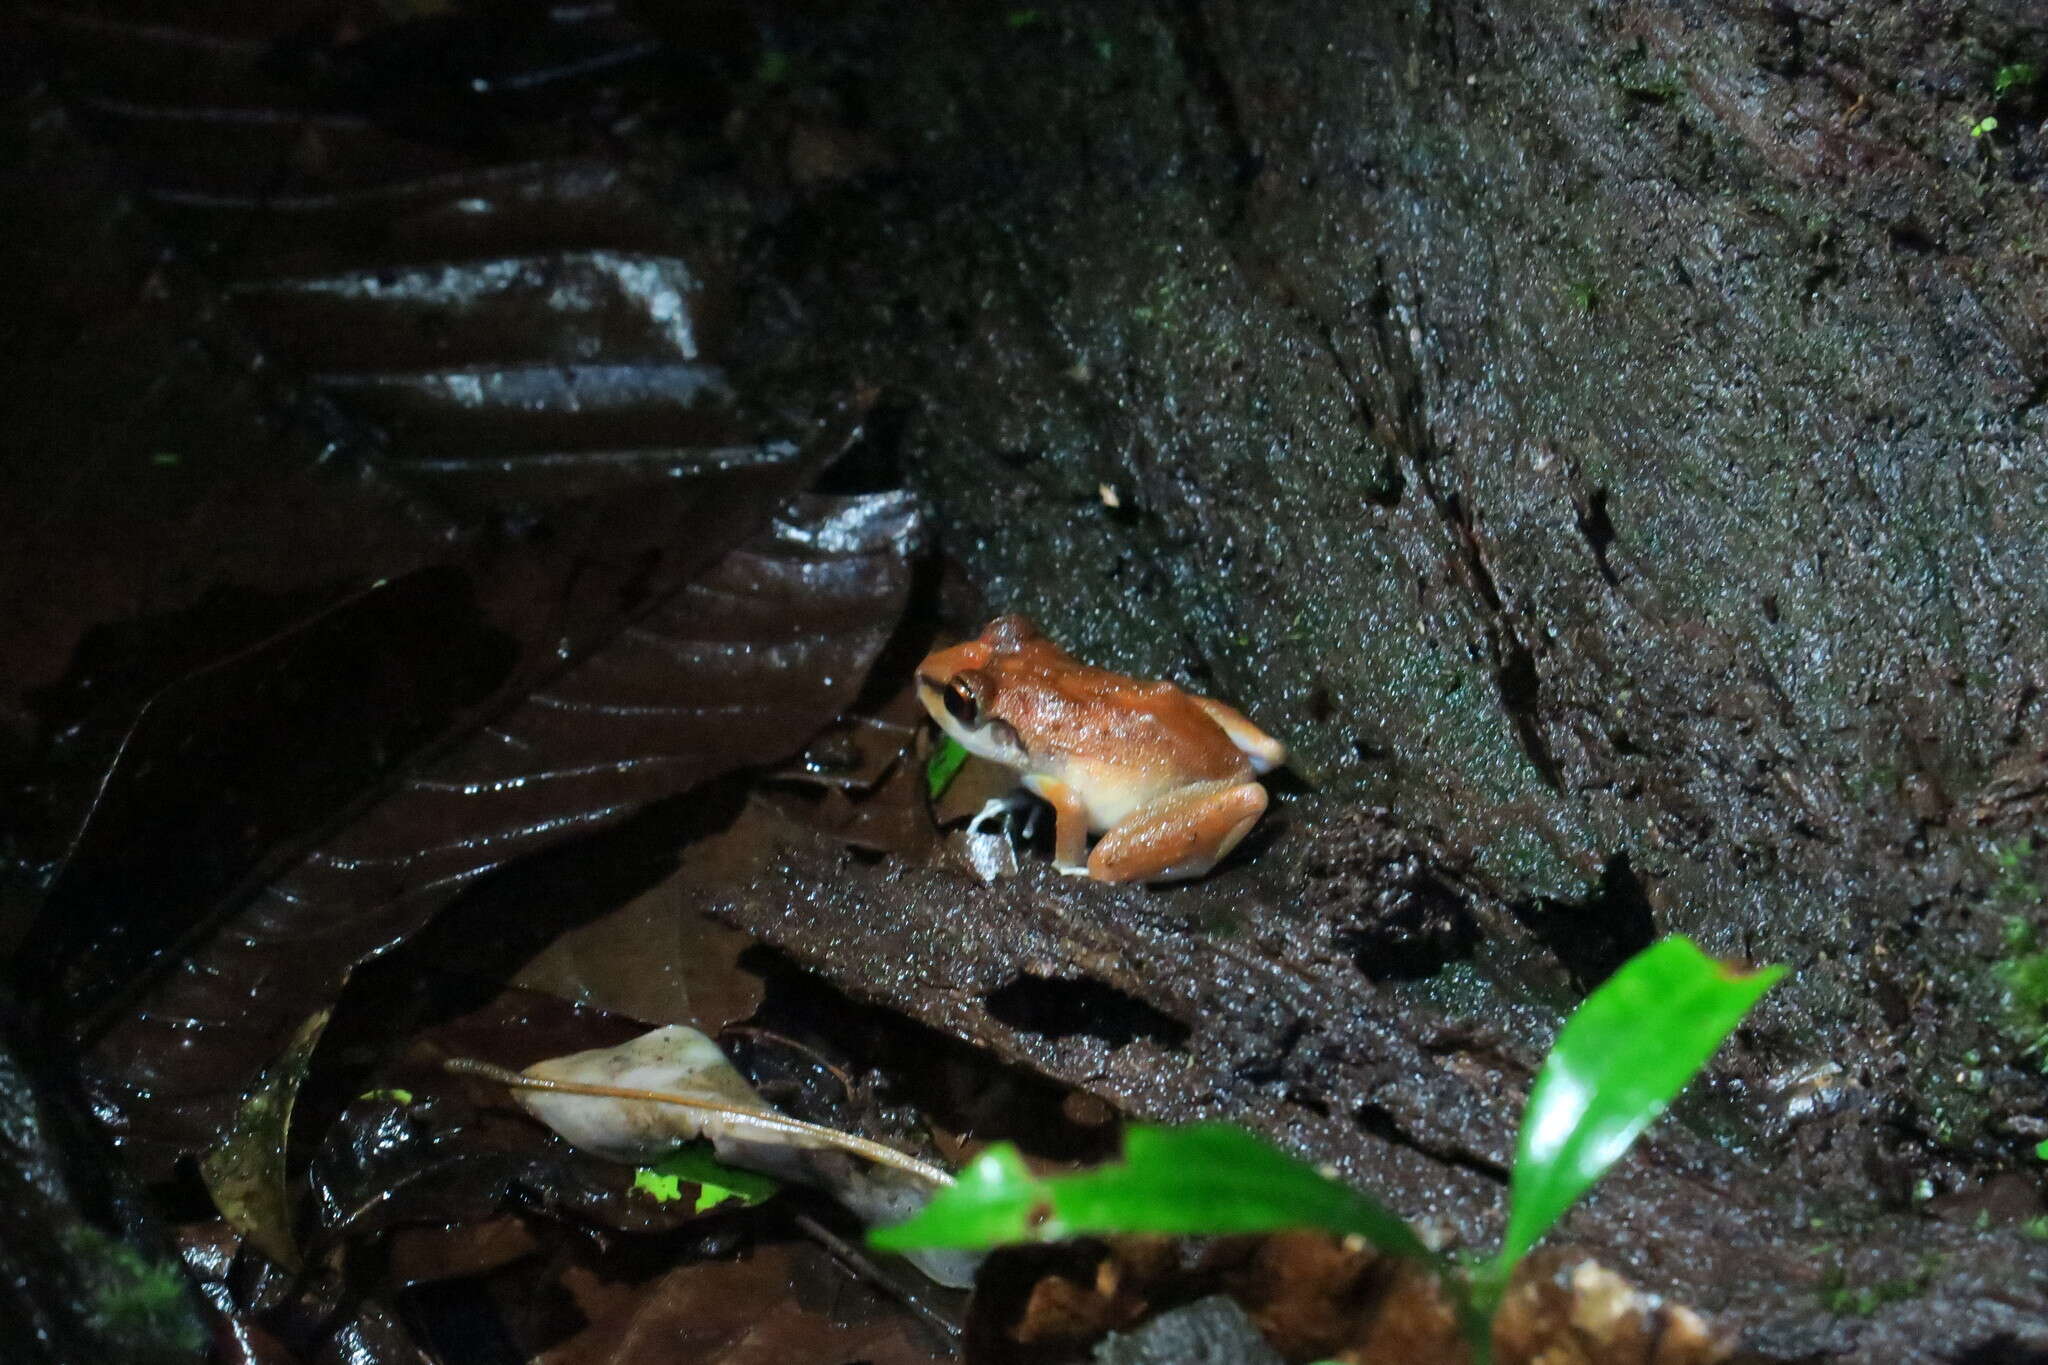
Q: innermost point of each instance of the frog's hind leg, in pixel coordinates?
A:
(1179, 835)
(1265, 752)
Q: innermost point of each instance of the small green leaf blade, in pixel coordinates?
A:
(995, 1200)
(943, 766)
(1213, 1179)
(1619, 1061)
(694, 1164)
(1208, 1179)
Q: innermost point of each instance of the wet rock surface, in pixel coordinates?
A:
(1602, 440)
(1236, 998)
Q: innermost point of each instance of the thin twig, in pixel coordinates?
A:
(759, 1118)
(861, 1268)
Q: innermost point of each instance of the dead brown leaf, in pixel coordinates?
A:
(750, 1312)
(656, 958)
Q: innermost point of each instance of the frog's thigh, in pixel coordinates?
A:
(1181, 834)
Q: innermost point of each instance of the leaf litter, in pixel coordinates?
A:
(769, 644)
(528, 343)
(639, 1101)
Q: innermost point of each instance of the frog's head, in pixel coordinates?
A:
(961, 687)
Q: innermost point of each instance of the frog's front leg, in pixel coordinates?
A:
(1069, 824)
(1179, 835)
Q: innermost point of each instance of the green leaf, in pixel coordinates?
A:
(2015, 77)
(1215, 1179)
(943, 766)
(716, 1182)
(995, 1200)
(662, 1189)
(1206, 1179)
(245, 1173)
(2042, 1151)
(1618, 1062)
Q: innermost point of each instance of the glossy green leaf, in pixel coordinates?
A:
(1618, 1062)
(943, 766)
(1205, 1179)
(694, 1164)
(994, 1201)
(1215, 1179)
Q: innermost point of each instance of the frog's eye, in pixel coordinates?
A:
(961, 705)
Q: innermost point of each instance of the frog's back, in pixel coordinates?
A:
(1152, 732)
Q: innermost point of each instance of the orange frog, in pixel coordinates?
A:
(1168, 778)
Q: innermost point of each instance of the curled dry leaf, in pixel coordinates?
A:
(422, 1150)
(673, 1085)
(674, 1061)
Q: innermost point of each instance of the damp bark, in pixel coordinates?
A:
(1605, 441)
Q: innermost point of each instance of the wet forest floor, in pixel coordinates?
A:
(1604, 442)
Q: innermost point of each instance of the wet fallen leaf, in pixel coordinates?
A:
(245, 1173)
(422, 1255)
(222, 698)
(859, 783)
(520, 337)
(656, 958)
(744, 1313)
(690, 1091)
(518, 352)
(736, 668)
